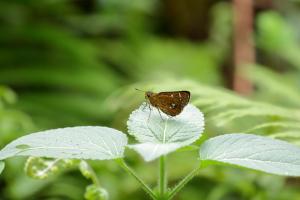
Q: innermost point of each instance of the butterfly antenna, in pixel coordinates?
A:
(139, 90)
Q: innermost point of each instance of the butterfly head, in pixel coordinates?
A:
(148, 94)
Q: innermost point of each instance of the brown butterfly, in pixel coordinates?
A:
(170, 103)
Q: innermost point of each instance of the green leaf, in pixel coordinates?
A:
(2, 165)
(252, 151)
(188, 148)
(94, 192)
(269, 83)
(42, 168)
(160, 134)
(280, 124)
(286, 134)
(261, 110)
(83, 142)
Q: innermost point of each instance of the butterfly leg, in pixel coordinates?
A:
(160, 114)
(172, 117)
(145, 105)
(149, 112)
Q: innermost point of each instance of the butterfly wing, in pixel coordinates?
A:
(172, 103)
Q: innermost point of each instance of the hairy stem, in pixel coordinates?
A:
(88, 172)
(162, 177)
(129, 170)
(182, 183)
(94, 176)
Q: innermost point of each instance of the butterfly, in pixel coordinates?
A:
(170, 103)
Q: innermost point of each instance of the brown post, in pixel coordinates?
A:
(244, 53)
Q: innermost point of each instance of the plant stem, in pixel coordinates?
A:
(129, 170)
(91, 174)
(182, 183)
(162, 176)
(94, 176)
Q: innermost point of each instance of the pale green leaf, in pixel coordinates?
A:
(260, 110)
(83, 142)
(286, 134)
(269, 83)
(280, 124)
(252, 151)
(160, 134)
(94, 192)
(42, 168)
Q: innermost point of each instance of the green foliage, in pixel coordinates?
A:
(43, 168)
(278, 38)
(274, 87)
(52, 62)
(85, 170)
(226, 109)
(63, 58)
(88, 172)
(94, 192)
(164, 58)
(63, 52)
(75, 69)
(12, 121)
(157, 137)
(2, 165)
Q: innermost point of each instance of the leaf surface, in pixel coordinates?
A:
(160, 134)
(83, 142)
(252, 151)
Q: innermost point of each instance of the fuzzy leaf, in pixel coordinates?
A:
(252, 151)
(42, 168)
(94, 192)
(2, 165)
(83, 142)
(160, 134)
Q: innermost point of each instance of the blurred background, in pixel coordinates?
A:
(77, 62)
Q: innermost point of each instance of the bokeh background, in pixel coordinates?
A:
(77, 62)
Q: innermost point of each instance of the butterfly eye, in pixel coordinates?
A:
(148, 94)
